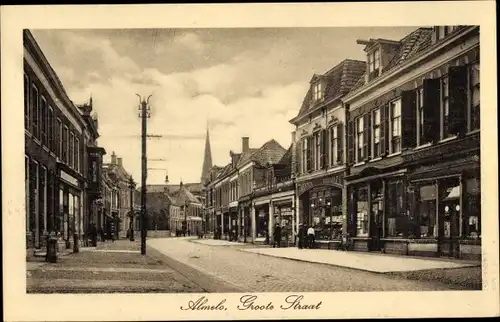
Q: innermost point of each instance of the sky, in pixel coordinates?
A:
(238, 82)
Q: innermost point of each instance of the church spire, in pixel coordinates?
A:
(207, 158)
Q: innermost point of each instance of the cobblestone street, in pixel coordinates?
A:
(259, 273)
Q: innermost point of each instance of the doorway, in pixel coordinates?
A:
(449, 217)
(376, 215)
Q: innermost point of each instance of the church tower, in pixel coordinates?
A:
(207, 158)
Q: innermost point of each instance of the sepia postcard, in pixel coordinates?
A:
(249, 161)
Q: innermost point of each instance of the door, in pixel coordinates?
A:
(449, 216)
(376, 218)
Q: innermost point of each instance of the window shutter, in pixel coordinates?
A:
(457, 76)
(408, 119)
(340, 142)
(324, 148)
(366, 136)
(350, 142)
(383, 130)
(298, 156)
(431, 109)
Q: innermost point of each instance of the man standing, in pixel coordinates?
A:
(310, 237)
(301, 236)
(277, 236)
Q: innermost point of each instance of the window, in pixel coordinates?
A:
(59, 141)
(36, 111)
(362, 212)
(420, 116)
(474, 91)
(27, 190)
(445, 108)
(77, 154)
(26, 103)
(471, 224)
(359, 139)
(426, 210)
(44, 121)
(376, 133)
(333, 145)
(72, 150)
(64, 145)
(395, 110)
(317, 150)
(318, 91)
(374, 64)
(304, 155)
(50, 129)
(396, 219)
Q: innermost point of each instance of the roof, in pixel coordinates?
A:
(339, 81)
(245, 156)
(269, 153)
(410, 45)
(183, 195)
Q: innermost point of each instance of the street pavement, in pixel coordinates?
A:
(111, 267)
(253, 272)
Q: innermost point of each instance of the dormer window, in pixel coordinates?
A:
(374, 64)
(318, 91)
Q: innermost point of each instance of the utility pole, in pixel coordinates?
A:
(144, 115)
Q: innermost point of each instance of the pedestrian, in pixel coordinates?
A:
(189, 232)
(310, 237)
(277, 236)
(301, 234)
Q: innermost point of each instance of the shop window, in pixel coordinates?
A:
(395, 217)
(420, 116)
(472, 209)
(395, 110)
(27, 191)
(34, 191)
(60, 218)
(26, 103)
(474, 91)
(376, 133)
(426, 212)
(261, 224)
(359, 139)
(449, 206)
(362, 208)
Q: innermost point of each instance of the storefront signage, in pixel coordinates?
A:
(69, 178)
(332, 180)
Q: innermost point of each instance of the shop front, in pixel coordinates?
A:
(283, 216)
(69, 220)
(262, 223)
(233, 221)
(321, 207)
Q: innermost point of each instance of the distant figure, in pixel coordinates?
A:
(301, 234)
(310, 237)
(277, 236)
(189, 232)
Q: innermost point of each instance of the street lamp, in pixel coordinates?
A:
(131, 185)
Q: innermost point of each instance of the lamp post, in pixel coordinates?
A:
(131, 185)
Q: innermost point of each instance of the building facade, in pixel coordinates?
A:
(319, 157)
(413, 144)
(56, 137)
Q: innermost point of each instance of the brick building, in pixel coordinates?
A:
(413, 145)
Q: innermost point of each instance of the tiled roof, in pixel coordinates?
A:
(246, 156)
(183, 195)
(270, 153)
(339, 81)
(410, 45)
(287, 157)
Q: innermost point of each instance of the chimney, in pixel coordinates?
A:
(113, 158)
(245, 144)
(120, 160)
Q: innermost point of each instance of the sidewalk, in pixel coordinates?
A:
(362, 261)
(217, 242)
(108, 268)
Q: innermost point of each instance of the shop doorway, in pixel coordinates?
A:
(449, 217)
(376, 215)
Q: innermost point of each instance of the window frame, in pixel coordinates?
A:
(374, 63)
(60, 137)
(50, 128)
(27, 101)
(393, 139)
(420, 126)
(27, 165)
(317, 150)
(43, 120)
(304, 154)
(35, 103)
(333, 146)
(444, 102)
(359, 139)
(317, 91)
(65, 145)
(376, 149)
(77, 154)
